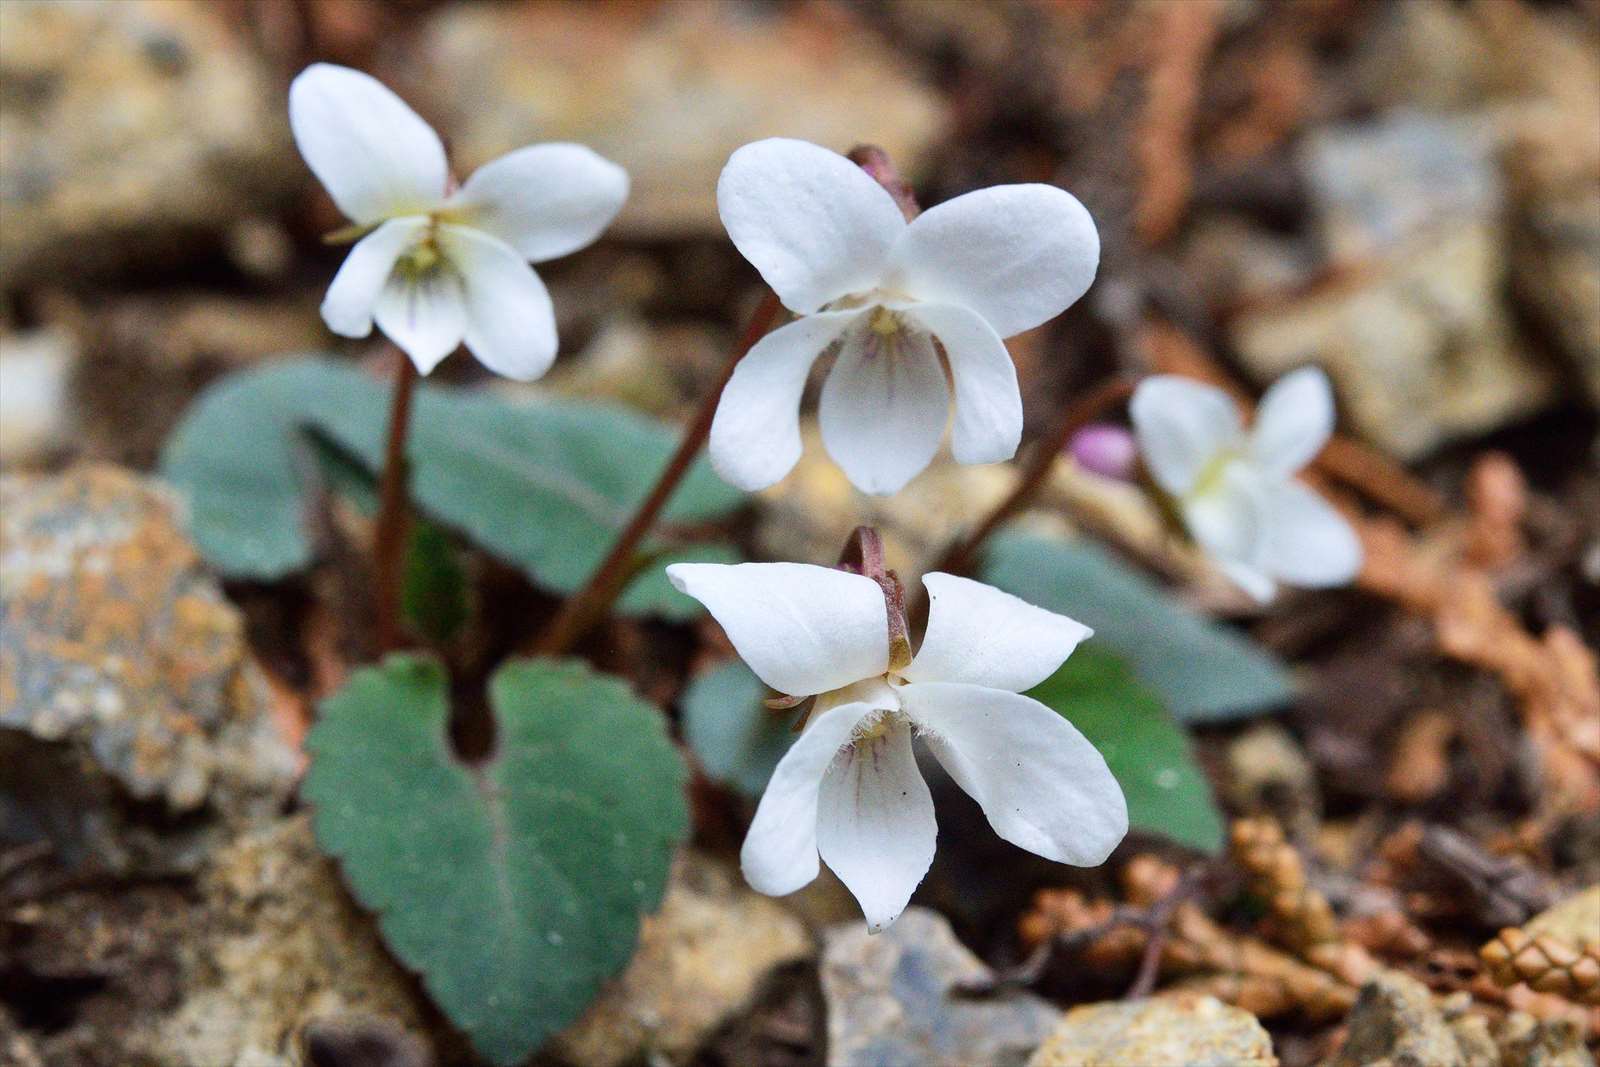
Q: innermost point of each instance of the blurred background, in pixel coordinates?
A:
(1407, 194)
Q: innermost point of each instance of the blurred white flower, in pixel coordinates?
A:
(440, 267)
(836, 249)
(849, 787)
(1236, 491)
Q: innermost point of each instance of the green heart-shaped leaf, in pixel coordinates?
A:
(515, 887)
(1201, 670)
(1147, 751)
(544, 485)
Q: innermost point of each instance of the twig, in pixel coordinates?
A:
(1153, 919)
(394, 514)
(585, 607)
(1157, 925)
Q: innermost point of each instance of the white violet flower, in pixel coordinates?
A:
(442, 266)
(849, 788)
(1236, 491)
(834, 246)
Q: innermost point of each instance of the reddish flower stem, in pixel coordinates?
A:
(585, 607)
(394, 513)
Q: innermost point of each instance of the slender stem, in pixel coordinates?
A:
(585, 607)
(960, 556)
(394, 514)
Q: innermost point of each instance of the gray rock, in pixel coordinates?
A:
(124, 676)
(128, 129)
(1411, 325)
(1377, 186)
(1528, 1042)
(1169, 1031)
(1396, 1023)
(1555, 258)
(685, 84)
(890, 1002)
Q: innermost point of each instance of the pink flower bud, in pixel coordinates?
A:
(1106, 450)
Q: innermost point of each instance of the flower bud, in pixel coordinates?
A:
(1106, 450)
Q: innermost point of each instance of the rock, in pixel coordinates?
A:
(1555, 264)
(129, 128)
(1575, 920)
(1183, 1030)
(1471, 1031)
(1430, 54)
(684, 85)
(627, 362)
(890, 1001)
(124, 676)
(1396, 1024)
(280, 951)
(186, 330)
(1411, 327)
(700, 960)
(36, 415)
(1528, 1042)
(151, 353)
(1377, 186)
(1269, 773)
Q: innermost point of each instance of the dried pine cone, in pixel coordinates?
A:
(1545, 964)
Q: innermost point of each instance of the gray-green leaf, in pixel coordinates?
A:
(1201, 670)
(515, 887)
(544, 485)
(737, 740)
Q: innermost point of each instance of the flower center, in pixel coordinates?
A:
(1212, 474)
(886, 334)
(424, 257)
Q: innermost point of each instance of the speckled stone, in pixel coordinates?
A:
(686, 83)
(129, 129)
(1177, 1031)
(1396, 1022)
(890, 1000)
(700, 959)
(121, 661)
(1575, 920)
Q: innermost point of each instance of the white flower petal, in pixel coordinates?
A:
(802, 629)
(545, 200)
(1308, 542)
(1042, 784)
(813, 223)
(780, 851)
(1018, 255)
(510, 322)
(1229, 519)
(980, 635)
(1182, 425)
(1257, 583)
(988, 422)
(1294, 421)
(374, 155)
(348, 307)
(875, 826)
(755, 434)
(424, 315)
(883, 407)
